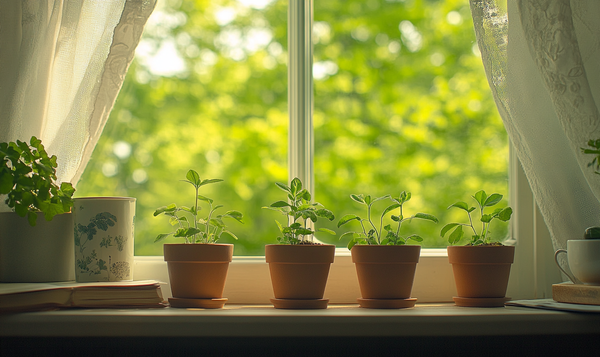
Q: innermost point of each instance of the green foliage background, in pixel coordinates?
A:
(404, 105)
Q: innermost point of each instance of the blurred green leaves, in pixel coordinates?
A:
(401, 103)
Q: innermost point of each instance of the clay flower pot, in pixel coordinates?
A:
(299, 274)
(386, 274)
(481, 274)
(197, 273)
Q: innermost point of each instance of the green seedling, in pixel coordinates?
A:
(299, 210)
(382, 235)
(482, 237)
(188, 222)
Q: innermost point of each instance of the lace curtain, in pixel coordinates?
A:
(62, 65)
(541, 58)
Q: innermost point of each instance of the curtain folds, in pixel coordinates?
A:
(541, 59)
(63, 64)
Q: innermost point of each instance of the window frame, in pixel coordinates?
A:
(248, 281)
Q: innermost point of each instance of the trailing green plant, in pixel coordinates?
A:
(299, 210)
(481, 237)
(28, 178)
(188, 222)
(595, 150)
(382, 235)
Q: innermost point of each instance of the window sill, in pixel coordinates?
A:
(340, 330)
(265, 321)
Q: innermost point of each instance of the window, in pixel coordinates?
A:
(400, 103)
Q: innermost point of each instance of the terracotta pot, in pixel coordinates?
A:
(299, 274)
(386, 274)
(481, 273)
(44, 253)
(197, 273)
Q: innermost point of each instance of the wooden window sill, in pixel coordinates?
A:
(265, 321)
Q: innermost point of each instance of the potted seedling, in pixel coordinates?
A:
(481, 267)
(385, 262)
(36, 239)
(198, 267)
(593, 149)
(299, 266)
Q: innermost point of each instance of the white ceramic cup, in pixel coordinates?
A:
(103, 238)
(583, 257)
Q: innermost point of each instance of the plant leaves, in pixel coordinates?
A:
(161, 237)
(377, 199)
(492, 200)
(304, 231)
(296, 186)
(31, 218)
(358, 198)
(186, 232)
(235, 215)
(6, 183)
(209, 181)
(283, 187)
(325, 213)
(205, 199)
(230, 234)
(426, 216)
(456, 235)
(347, 218)
(480, 197)
(351, 244)
(279, 204)
(193, 177)
(415, 237)
(346, 234)
(505, 214)
(327, 231)
(448, 227)
(390, 208)
(461, 205)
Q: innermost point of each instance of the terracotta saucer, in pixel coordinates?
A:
(216, 303)
(387, 303)
(480, 302)
(300, 303)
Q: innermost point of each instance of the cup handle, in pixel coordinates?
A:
(572, 278)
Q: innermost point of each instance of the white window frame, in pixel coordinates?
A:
(249, 281)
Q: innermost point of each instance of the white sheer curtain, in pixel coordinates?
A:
(542, 61)
(62, 64)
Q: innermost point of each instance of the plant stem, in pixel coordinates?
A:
(483, 230)
(371, 222)
(363, 226)
(210, 212)
(400, 222)
(196, 211)
(471, 223)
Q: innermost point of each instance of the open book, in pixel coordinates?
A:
(18, 297)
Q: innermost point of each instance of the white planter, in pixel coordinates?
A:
(43, 253)
(103, 235)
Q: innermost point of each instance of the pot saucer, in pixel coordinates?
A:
(299, 303)
(215, 303)
(387, 303)
(480, 302)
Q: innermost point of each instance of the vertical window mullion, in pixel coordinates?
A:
(300, 92)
